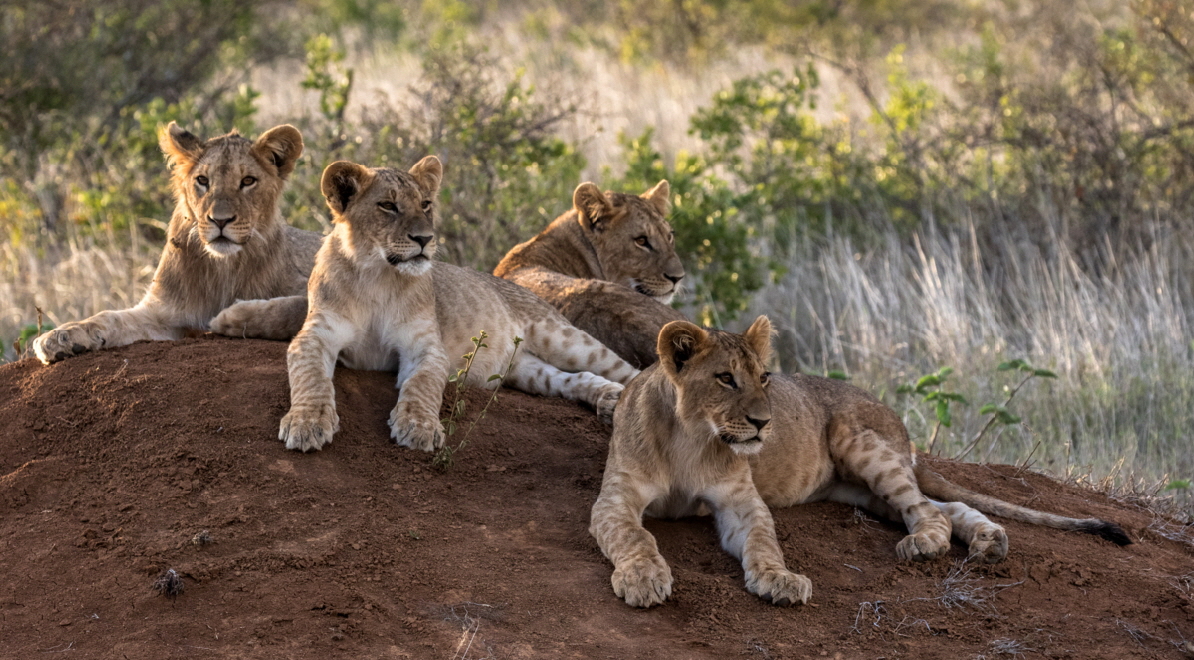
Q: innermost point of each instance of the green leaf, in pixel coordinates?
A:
(460, 407)
(927, 381)
(837, 375)
(493, 378)
(943, 415)
(943, 372)
(1044, 373)
(932, 396)
(1009, 365)
(1178, 484)
(989, 408)
(1027, 368)
(904, 389)
(1006, 417)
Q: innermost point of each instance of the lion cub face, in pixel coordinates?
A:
(230, 185)
(721, 380)
(390, 213)
(635, 244)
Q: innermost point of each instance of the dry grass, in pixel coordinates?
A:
(1118, 339)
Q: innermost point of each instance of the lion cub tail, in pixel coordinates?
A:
(939, 488)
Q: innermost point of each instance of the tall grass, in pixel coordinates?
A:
(1120, 340)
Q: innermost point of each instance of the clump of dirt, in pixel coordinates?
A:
(114, 462)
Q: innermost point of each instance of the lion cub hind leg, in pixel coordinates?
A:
(867, 457)
(747, 531)
(533, 375)
(986, 540)
(569, 348)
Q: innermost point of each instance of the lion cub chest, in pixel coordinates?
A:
(386, 321)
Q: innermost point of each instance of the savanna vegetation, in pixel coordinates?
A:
(909, 189)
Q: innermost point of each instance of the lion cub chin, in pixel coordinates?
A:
(377, 300)
(707, 428)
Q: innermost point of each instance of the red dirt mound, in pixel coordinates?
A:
(114, 462)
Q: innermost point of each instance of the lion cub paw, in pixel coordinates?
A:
(780, 587)
(410, 427)
(70, 339)
(643, 582)
(607, 400)
(989, 544)
(922, 546)
(307, 429)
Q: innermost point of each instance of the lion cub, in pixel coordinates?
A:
(609, 265)
(227, 240)
(378, 301)
(707, 428)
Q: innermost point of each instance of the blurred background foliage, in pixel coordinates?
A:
(830, 162)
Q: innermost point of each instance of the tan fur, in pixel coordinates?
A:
(684, 442)
(609, 266)
(226, 240)
(378, 301)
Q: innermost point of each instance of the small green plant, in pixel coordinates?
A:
(333, 87)
(930, 386)
(446, 456)
(1177, 484)
(998, 411)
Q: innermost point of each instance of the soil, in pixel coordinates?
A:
(122, 464)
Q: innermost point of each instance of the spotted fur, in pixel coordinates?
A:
(379, 301)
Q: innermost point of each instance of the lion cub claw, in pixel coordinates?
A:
(307, 429)
(70, 339)
(780, 587)
(922, 547)
(643, 582)
(989, 544)
(410, 428)
(607, 401)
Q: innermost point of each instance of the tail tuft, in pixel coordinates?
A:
(1108, 530)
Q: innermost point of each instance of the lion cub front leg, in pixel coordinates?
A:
(422, 375)
(747, 531)
(641, 577)
(310, 362)
(107, 329)
(275, 318)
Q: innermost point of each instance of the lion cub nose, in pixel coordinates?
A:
(220, 223)
(674, 278)
(758, 423)
(421, 240)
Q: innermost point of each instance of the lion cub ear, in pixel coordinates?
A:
(280, 146)
(341, 182)
(428, 172)
(180, 145)
(678, 342)
(758, 335)
(592, 207)
(660, 197)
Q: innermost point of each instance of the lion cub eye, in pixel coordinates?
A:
(388, 206)
(642, 241)
(201, 180)
(727, 379)
(426, 205)
(247, 181)
(765, 378)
